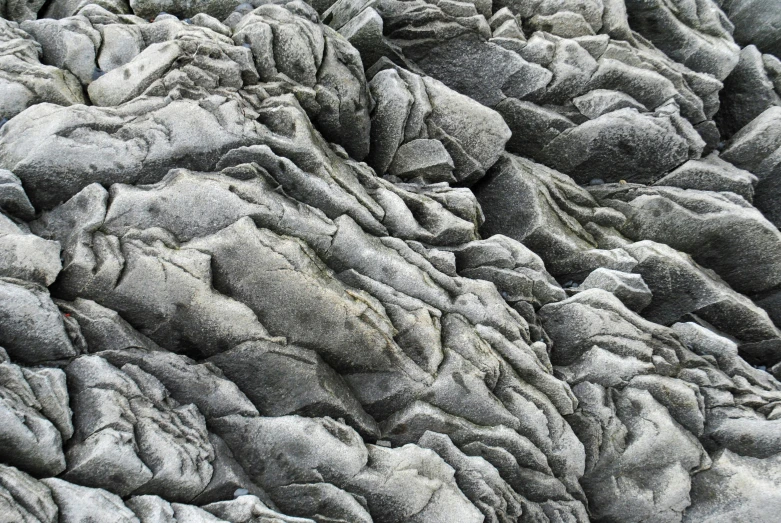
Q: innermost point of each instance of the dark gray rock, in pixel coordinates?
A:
(32, 330)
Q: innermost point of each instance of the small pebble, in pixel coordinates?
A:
(597, 181)
(240, 492)
(383, 443)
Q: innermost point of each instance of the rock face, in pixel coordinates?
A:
(382, 261)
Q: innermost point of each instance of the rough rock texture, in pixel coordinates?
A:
(384, 261)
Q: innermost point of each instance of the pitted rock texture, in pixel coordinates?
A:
(385, 261)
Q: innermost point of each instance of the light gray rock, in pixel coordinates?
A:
(131, 437)
(24, 81)
(427, 160)
(595, 103)
(629, 288)
(30, 439)
(735, 488)
(711, 174)
(77, 503)
(70, 44)
(25, 499)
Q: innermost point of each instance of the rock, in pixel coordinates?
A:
(518, 201)
(32, 328)
(595, 103)
(218, 9)
(624, 143)
(517, 272)
(735, 487)
(681, 288)
(695, 222)
(77, 503)
(711, 174)
(249, 509)
(30, 439)
(699, 39)
(23, 498)
(754, 23)
(754, 148)
(131, 437)
(70, 44)
(24, 81)
(130, 80)
(427, 160)
(274, 376)
(629, 288)
(13, 199)
(747, 92)
(25, 256)
(193, 133)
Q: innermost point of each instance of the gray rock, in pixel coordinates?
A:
(711, 174)
(25, 499)
(755, 148)
(532, 204)
(102, 328)
(681, 288)
(427, 160)
(130, 80)
(735, 488)
(322, 501)
(747, 92)
(250, 509)
(77, 503)
(131, 437)
(696, 222)
(285, 379)
(70, 44)
(478, 479)
(24, 81)
(755, 22)
(13, 199)
(701, 39)
(30, 440)
(621, 144)
(25, 256)
(629, 288)
(32, 328)
(517, 272)
(192, 139)
(595, 103)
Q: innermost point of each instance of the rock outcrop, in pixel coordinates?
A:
(383, 261)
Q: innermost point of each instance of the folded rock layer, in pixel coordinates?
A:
(383, 261)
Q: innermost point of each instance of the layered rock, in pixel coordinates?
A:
(378, 261)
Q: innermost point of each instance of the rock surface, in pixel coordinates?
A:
(384, 261)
